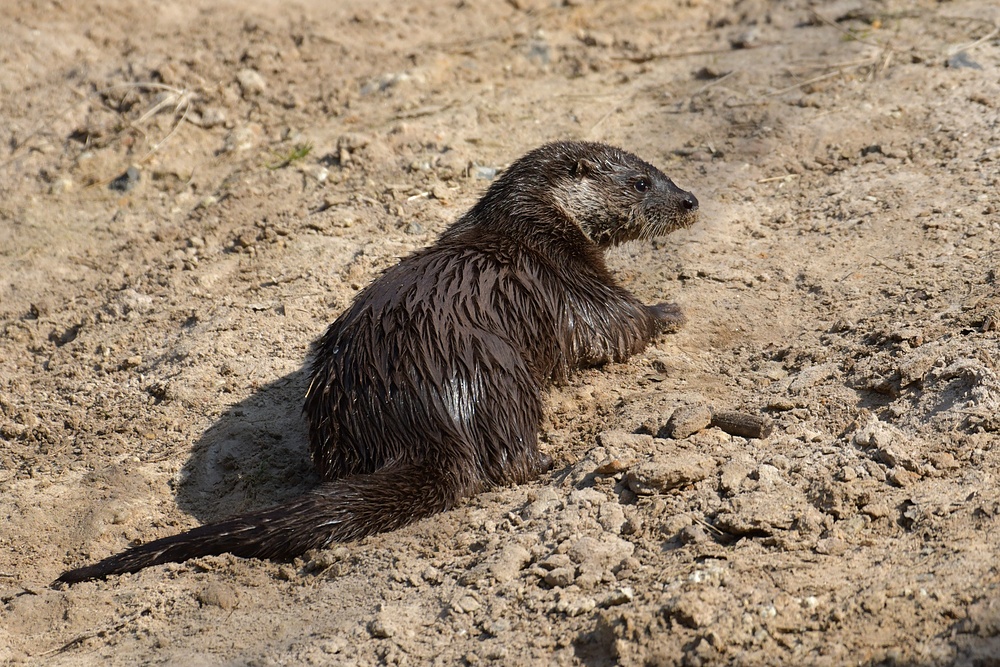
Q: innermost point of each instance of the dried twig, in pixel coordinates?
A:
(79, 639)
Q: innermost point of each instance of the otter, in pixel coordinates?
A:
(429, 387)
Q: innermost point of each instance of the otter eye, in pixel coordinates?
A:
(641, 185)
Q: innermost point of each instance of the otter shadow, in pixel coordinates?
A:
(255, 455)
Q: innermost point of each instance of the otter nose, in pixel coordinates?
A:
(690, 202)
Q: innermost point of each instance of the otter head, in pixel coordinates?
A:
(614, 196)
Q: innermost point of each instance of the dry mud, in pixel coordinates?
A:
(841, 282)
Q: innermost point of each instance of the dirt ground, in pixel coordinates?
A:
(842, 281)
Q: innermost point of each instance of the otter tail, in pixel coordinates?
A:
(337, 511)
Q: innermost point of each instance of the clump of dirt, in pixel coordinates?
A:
(192, 191)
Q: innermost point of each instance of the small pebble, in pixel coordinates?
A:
(560, 577)
(902, 477)
(962, 59)
(693, 534)
(618, 597)
(556, 560)
(742, 424)
(688, 420)
(512, 558)
(61, 185)
(484, 173)
(218, 595)
(466, 604)
(212, 117)
(611, 467)
(659, 476)
(943, 460)
(251, 82)
(745, 40)
(579, 607)
(379, 630)
(831, 546)
(126, 181)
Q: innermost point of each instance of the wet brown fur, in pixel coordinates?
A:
(428, 388)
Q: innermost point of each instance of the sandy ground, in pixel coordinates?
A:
(842, 282)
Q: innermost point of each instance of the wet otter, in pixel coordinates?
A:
(428, 388)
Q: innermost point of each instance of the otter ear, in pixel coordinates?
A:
(583, 167)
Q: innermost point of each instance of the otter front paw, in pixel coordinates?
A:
(669, 316)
